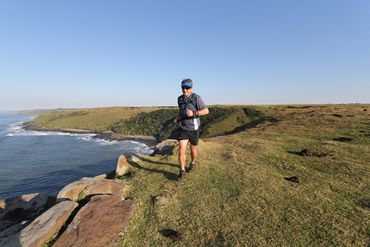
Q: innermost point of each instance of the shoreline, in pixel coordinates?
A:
(150, 141)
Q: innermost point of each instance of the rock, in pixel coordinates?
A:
(136, 158)
(108, 135)
(14, 229)
(43, 228)
(73, 190)
(166, 147)
(105, 186)
(26, 207)
(159, 199)
(90, 186)
(98, 223)
(123, 167)
(101, 176)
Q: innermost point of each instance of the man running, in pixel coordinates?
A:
(191, 106)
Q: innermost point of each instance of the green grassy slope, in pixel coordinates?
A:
(160, 123)
(238, 194)
(157, 122)
(95, 119)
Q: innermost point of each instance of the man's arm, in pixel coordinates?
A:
(201, 112)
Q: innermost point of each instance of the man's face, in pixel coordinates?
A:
(186, 91)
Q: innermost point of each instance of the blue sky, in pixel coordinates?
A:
(135, 53)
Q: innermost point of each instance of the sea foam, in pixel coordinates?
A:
(16, 129)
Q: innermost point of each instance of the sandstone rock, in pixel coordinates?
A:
(43, 228)
(98, 223)
(136, 158)
(166, 147)
(105, 186)
(26, 207)
(73, 190)
(101, 176)
(123, 167)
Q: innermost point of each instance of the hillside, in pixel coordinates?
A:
(302, 180)
(156, 122)
(93, 119)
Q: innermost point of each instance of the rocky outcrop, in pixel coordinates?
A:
(166, 147)
(43, 228)
(26, 207)
(123, 167)
(73, 190)
(89, 186)
(98, 223)
(105, 186)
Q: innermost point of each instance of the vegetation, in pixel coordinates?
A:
(161, 123)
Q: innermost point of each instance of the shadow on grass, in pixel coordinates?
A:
(172, 234)
(252, 124)
(309, 153)
(169, 175)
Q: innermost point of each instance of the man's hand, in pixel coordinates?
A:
(189, 113)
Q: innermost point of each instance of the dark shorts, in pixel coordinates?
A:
(192, 136)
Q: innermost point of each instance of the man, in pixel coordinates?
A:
(191, 107)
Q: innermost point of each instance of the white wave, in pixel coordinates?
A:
(98, 141)
(141, 147)
(16, 129)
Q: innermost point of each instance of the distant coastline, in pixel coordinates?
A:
(106, 135)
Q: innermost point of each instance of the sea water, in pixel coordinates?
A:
(34, 161)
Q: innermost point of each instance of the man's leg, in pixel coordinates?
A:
(182, 153)
(194, 153)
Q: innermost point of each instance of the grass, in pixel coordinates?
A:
(95, 119)
(238, 196)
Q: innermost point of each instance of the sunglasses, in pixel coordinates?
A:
(185, 88)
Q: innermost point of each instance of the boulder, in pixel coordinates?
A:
(166, 147)
(123, 167)
(98, 223)
(43, 228)
(90, 186)
(136, 158)
(73, 190)
(26, 207)
(105, 186)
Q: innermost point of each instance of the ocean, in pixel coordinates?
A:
(34, 161)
